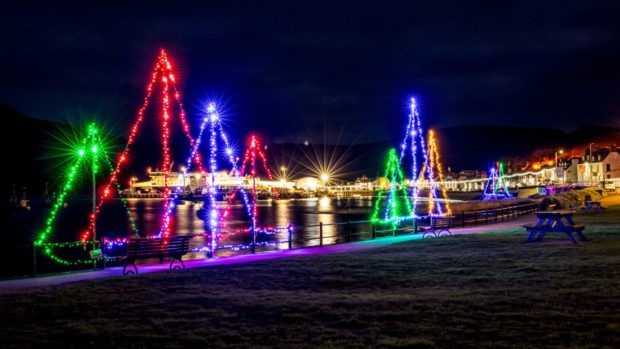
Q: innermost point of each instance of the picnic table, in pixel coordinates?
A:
(558, 221)
(594, 206)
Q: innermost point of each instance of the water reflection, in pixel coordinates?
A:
(326, 216)
(304, 215)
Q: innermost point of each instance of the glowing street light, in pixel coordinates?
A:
(324, 178)
(283, 171)
(561, 151)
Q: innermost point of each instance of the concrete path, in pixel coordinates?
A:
(57, 279)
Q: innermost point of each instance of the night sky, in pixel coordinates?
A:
(283, 68)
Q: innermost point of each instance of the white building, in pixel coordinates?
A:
(611, 165)
(605, 166)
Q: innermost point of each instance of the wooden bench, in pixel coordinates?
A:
(438, 225)
(174, 247)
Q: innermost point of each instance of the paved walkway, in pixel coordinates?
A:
(57, 279)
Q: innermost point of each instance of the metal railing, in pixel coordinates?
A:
(496, 215)
(322, 234)
(349, 231)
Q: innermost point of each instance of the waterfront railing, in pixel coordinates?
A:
(312, 235)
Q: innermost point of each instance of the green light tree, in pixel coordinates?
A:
(395, 207)
(85, 155)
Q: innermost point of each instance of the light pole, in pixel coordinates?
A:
(590, 161)
(283, 178)
(183, 174)
(94, 203)
(561, 151)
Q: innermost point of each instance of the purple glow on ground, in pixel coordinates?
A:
(42, 281)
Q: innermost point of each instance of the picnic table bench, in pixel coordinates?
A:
(592, 205)
(438, 225)
(559, 221)
(551, 207)
(174, 247)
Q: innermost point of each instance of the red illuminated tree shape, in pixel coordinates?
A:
(248, 167)
(163, 76)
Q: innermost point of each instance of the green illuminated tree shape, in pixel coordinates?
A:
(396, 206)
(88, 152)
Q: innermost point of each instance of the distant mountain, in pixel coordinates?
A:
(462, 147)
(590, 133)
(467, 147)
(23, 140)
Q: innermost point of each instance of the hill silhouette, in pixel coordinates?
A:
(27, 140)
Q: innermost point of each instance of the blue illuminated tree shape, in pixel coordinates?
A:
(414, 142)
(496, 187)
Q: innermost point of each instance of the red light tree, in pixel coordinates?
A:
(163, 76)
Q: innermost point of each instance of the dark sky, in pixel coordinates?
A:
(283, 67)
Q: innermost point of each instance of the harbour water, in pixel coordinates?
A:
(339, 220)
(304, 215)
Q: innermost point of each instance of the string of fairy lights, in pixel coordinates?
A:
(215, 128)
(393, 205)
(119, 191)
(163, 72)
(435, 162)
(541, 172)
(496, 187)
(91, 145)
(398, 207)
(412, 147)
(414, 140)
(249, 163)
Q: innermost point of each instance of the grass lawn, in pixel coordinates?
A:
(473, 291)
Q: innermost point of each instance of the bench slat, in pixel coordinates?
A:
(149, 248)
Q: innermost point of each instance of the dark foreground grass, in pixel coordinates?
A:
(477, 291)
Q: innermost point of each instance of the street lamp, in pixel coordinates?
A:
(590, 161)
(183, 173)
(561, 151)
(283, 177)
(324, 178)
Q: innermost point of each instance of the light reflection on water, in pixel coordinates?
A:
(304, 215)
